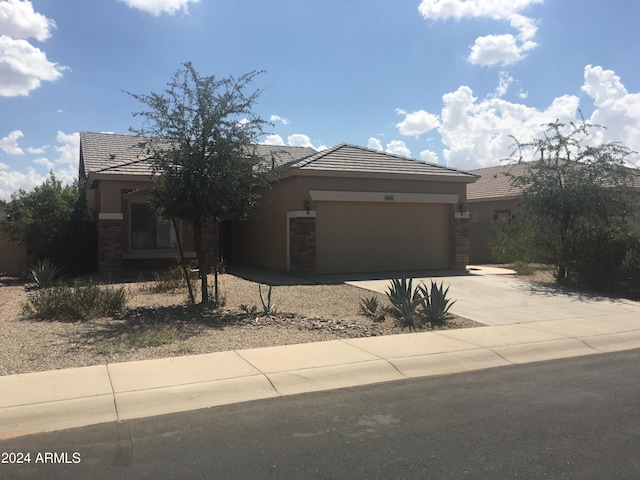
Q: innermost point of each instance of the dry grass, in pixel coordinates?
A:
(164, 324)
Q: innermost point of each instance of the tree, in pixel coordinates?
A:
(201, 133)
(572, 189)
(53, 221)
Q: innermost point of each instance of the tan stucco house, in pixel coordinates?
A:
(346, 209)
(493, 198)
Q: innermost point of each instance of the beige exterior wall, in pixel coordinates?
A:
(13, 258)
(481, 227)
(262, 240)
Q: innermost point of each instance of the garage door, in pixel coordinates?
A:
(372, 237)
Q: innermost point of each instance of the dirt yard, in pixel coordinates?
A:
(158, 325)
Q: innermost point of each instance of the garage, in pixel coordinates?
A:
(381, 236)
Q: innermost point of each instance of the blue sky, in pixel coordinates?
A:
(446, 81)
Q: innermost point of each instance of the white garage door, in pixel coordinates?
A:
(376, 237)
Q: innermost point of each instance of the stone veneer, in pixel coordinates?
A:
(302, 244)
(110, 246)
(461, 241)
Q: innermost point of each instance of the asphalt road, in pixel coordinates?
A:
(577, 418)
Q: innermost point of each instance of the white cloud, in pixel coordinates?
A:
(417, 123)
(45, 162)
(35, 150)
(11, 181)
(301, 140)
(429, 156)
(616, 108)
(157, 7)
(504, 82)
(69, 148)
(19, 20)
(398, 147)
(278, 118)
(9, 144)
(490, 49)
(273, 140)
(375, 144)
(23, 66)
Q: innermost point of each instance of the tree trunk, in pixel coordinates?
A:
(184, 266)
(203, 265)
(216, 241)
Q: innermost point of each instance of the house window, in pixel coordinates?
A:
(502, 216)
(149, 231)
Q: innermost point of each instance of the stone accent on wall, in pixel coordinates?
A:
(302, 244)
(461, 241)
(110, 248)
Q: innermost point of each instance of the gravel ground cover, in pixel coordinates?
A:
(158, 325)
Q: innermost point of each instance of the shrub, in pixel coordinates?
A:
(75, 303)
(602, 258)
(434, 305)
(45, 273)
(170, 281)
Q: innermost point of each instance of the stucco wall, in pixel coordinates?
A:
(13, 258)
(262, 240)
(481, 228)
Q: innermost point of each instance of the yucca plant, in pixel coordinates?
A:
(434, 304)
(45, 273)
(404, 301)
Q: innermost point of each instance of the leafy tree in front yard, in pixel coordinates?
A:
(53, 221)
(573, 194)
(201, 133)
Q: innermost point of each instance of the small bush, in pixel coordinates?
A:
(249, 310)
(45, 273)
(170, 281)
(75, 303)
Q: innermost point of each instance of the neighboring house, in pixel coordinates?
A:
(493, 199)
(346, 209)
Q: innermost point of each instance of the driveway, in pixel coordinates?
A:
(494, 297)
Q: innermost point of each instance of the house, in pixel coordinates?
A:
(492, 198)
(346, 209)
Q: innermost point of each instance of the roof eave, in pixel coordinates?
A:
(293, 172)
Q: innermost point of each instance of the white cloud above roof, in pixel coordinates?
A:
(477, 133)
(23, 66)
(417, 123)
(273, 140)
(398, 147)
(158, 7)
(302, 140)
(494, 49)
(375, 144)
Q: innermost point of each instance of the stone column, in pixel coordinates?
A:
(461, 240)
(302, 242)
(110, 238)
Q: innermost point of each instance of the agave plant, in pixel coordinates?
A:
(45, 273)
(434, 304)
(369, 306)
(404, 301)
(268, 308)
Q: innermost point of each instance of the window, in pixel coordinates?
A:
(502, 216)
(149, 231)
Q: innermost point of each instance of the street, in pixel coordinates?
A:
(576, 418)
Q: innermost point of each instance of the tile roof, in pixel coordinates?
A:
(494, 182)
(128, 154)
(353, 158)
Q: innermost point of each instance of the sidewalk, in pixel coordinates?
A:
(46, 401)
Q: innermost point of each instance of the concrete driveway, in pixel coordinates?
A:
(493, 297)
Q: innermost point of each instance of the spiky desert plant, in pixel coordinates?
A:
(434, 304)
(404, 301)
(45, 273)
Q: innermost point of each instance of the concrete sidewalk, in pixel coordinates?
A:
(46, 401)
